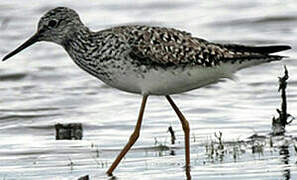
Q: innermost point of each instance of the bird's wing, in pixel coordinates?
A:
(171, 46)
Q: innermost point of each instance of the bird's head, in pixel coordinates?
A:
(54, 26)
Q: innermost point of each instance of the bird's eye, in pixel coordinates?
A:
(52, 23)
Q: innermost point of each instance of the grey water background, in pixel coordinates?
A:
(41, 86)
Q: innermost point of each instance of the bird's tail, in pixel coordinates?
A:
(264, 50)
(250, 56)
(256, 54)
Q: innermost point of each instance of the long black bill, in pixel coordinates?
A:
(26, 44)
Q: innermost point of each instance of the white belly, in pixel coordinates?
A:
(170, 81)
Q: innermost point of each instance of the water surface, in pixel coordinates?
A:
(42, 86)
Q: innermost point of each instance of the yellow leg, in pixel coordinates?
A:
(134, 136)
(186, 128)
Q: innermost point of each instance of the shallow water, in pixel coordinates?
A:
(42, 86)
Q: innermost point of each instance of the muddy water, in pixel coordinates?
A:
(42, 86)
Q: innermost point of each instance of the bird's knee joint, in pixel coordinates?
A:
(186, 127)
(134, 136)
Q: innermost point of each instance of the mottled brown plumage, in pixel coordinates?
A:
(172, 46)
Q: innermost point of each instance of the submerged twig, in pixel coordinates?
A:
(173, 138)
(282, 87)
(170, 130)
(279, 124)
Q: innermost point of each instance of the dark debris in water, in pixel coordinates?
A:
(71, 131)
(279, 123)
(172, 134)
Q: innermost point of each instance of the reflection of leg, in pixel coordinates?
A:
(134, 136)
(186, 129)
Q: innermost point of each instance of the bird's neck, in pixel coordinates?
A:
(77, 33)
(84, 47)
(76, 41)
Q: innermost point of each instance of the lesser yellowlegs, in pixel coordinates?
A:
(147, 60)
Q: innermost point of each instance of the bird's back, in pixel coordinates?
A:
(172, 47)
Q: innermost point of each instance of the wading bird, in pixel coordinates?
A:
(147, 60)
